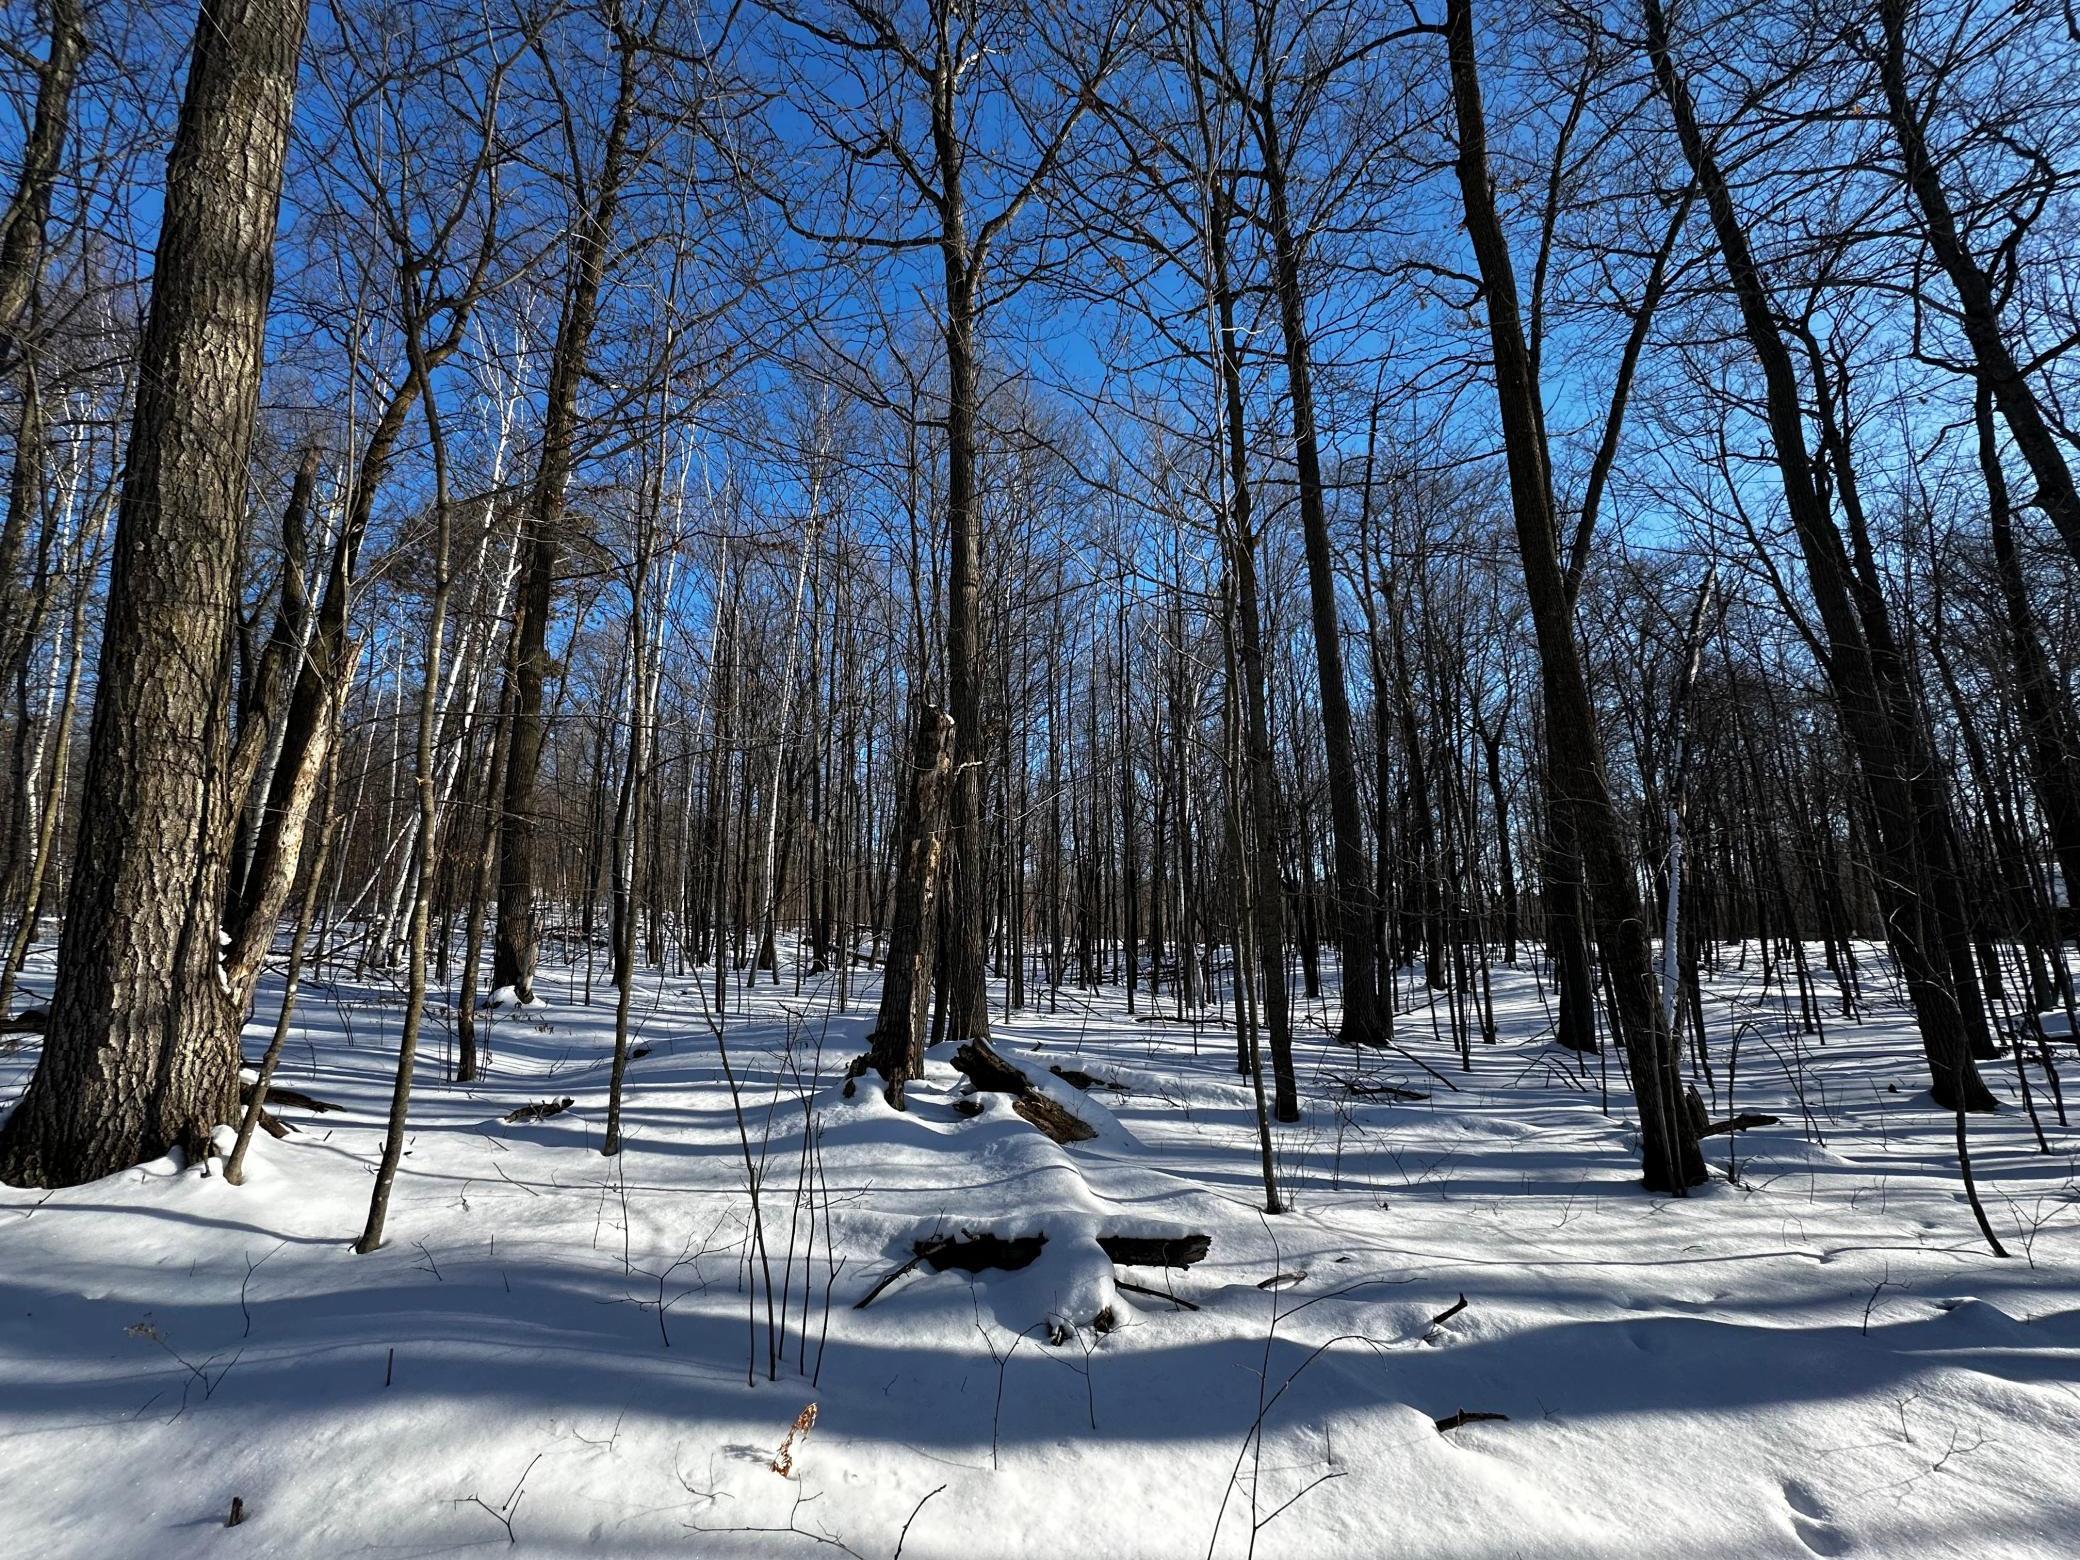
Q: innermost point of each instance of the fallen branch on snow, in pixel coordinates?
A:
(1076, 1077)
(1448, 1313)
(1384, 1091)
(295, 1099)
(1155, 1294)
(540, 1110)
(884, 1281)
(1740, 1123)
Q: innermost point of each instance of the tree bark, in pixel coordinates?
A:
(2047, 717)
(967, 994)
(514, 944)
(1267, 892)
(1354, 901)
(906, 986)
(142, 1051)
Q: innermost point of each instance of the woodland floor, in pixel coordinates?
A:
(550, 1355)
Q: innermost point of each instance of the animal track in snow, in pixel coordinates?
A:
(1811, 1522)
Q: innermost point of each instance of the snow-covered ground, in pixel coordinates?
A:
(558, 1353)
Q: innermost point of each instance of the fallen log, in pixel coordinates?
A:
(1741, 1123)
(1077, 1078)
(296, 1099)
(979, 1253)
(540, 1110)
(1382, 1091)
(988, 1071)
(1054, 1120)
(973, 1253)
(1176, 1251)
(982, 1065)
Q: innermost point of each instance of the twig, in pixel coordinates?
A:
(904, 1536)
(1154, 1294)
(888, 1278)
(252, 1267)
(506, 1509)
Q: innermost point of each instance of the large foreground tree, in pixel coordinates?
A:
(142, 1049)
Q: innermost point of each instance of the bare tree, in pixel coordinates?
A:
(142, 1051)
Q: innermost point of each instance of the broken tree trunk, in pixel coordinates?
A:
(988, 1071)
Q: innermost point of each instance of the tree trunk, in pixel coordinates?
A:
(1669, 1154)
(899, 1032)
(23, 224)
(514, 945)
(967, 995)
(2047, 718)
(1353, 873)
(1878, 718)
(1267, 893)
(142, 1051)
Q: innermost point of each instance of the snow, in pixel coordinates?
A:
(507, 997)
(1820, 1359)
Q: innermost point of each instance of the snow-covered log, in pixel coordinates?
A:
(984, 1067)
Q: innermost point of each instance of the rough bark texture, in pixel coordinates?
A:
(968, 888)
(906, 986)
(142, 1052)
(1267, 891)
